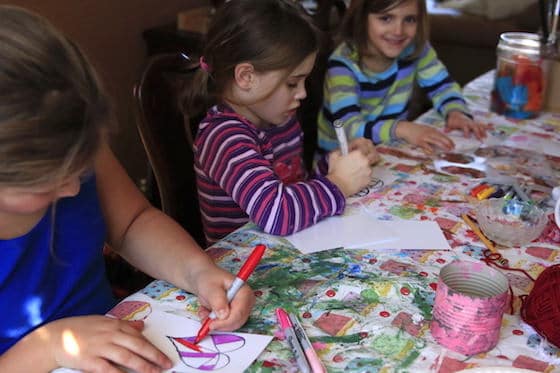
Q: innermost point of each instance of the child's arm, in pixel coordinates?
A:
(154, 243)
(232, 156)
(446, 94)
(342, 100)
(86, 343)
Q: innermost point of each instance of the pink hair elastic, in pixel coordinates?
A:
(203, 65)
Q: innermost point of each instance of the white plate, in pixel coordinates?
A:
(496, 370)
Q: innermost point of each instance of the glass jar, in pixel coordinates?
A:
(519, 82)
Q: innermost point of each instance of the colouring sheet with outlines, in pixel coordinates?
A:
(221, 352)
(168, 328)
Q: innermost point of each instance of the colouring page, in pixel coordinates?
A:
(221, 352)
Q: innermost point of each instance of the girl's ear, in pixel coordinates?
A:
(244, 75)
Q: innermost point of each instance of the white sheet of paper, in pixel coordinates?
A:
(221, 352)
(416, 235)
(363, 231)
(341, 231)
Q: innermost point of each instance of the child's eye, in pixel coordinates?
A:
(292, 85)
(385, 18)
(410, 19)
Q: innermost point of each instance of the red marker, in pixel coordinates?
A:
(188, 344)
(240, 279)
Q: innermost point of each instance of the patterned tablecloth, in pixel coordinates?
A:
(370, 311)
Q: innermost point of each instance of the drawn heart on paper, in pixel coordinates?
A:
(213, 355)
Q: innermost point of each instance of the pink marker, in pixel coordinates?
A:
(312, 358)
(291, 338)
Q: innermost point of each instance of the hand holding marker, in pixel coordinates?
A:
(239, 281)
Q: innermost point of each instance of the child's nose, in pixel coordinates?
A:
(69, 188)
(301, 93)
(398, 29)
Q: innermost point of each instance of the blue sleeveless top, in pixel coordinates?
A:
(44, 277)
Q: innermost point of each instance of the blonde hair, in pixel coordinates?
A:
(52, 109)
(354, 26)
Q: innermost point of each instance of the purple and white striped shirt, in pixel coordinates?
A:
(246, 173)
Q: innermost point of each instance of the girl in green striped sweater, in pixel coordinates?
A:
(370, 76)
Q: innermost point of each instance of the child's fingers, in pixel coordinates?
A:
(427, 148)
(203, 312)
(480, 131)
(373, 158)
(468, 127)
(217, 302)
(138, 355)
(125, 346)
(239, 311)
(441, 141)
(96, 363)
(137, 324)
(477, 129)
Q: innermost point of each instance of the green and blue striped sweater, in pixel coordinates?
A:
(369, 104)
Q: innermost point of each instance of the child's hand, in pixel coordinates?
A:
(366, 147)
(423, 136)
(457, 120)
(101, 344)
(212, 285)
(350, 173)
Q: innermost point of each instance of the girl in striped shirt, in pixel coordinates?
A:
(248, 149)
(370, 76)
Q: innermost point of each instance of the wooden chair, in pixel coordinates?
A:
(167, 135)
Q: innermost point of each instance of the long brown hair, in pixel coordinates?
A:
(52, 109)
(354, 26)
(270, 34)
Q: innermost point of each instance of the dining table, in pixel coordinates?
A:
(369, 310)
